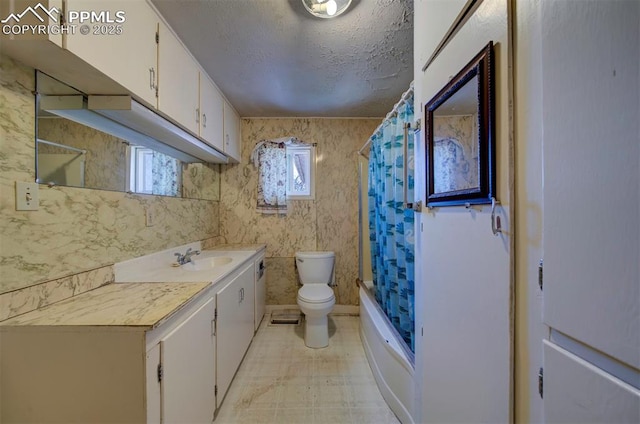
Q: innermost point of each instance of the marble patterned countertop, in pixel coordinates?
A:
(144, 305)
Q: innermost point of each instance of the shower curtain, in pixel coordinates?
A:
(391, 229)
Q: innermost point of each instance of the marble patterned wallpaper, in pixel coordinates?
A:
(46, 254)
(201, 181)
(330, 222)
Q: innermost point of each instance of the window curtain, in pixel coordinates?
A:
(391, 227)
(165, 175)
(270, 157)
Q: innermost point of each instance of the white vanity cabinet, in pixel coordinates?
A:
(124, 50)
(188, 369)
(106, 356)
(235, 305)
(232, 140)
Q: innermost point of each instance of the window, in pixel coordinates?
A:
(141, 166)
(151, 172)
(301, 169)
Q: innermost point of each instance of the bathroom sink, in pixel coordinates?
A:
(207, 263)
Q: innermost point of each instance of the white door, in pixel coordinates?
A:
(188, 367)
(591, 155)
(463, 285)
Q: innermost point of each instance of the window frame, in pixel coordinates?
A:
(311, 194)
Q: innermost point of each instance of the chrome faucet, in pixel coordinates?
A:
(186, 258)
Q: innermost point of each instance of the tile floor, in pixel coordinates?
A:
(282, 381)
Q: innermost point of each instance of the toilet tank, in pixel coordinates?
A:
(315, 267)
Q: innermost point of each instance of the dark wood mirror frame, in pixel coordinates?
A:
(480, 68)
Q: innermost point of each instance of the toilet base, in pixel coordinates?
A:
(316, 332)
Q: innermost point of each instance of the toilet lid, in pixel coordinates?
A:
(315, 293)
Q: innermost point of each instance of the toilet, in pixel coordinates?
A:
(315, 297)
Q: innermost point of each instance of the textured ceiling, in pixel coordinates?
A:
(271, 58)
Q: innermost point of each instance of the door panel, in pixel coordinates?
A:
(575, 391)
(592, 174)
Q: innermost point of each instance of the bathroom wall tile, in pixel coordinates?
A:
(75, 230)
(330, 222)
(282, 281)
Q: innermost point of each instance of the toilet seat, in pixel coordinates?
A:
(315, 293)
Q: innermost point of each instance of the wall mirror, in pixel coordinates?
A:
(460, 137)
(73, 149)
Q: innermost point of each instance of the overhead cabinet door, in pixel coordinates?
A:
(123, 46)
(211, 112)
(178, 81)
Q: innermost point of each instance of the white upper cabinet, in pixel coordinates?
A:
(178, 81)
(124, 48)
(232, 141)
(211, 113)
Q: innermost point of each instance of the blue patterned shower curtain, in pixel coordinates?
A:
(391, 227)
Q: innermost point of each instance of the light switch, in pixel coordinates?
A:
(27, 198)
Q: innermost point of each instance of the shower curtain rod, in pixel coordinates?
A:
(393, 112)
(73, 149)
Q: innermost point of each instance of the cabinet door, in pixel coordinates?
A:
(16, 13)
(188, 365)
(124, 51)
(211, 113)
(154, 395)
(232, 141)
(178, 86)
(234, 329)
(576, 391)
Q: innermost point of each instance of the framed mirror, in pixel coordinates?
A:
(460, 137)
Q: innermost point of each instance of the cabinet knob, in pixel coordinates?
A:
(204, 120)
(198, 115)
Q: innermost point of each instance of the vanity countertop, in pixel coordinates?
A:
(143, 305)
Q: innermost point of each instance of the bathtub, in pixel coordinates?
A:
(392, 367)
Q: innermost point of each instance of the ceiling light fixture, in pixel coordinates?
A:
(326, 8)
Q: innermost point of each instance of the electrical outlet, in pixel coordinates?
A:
(149, 217)
(27, 198)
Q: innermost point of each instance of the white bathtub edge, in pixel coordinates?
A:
(387, 351)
